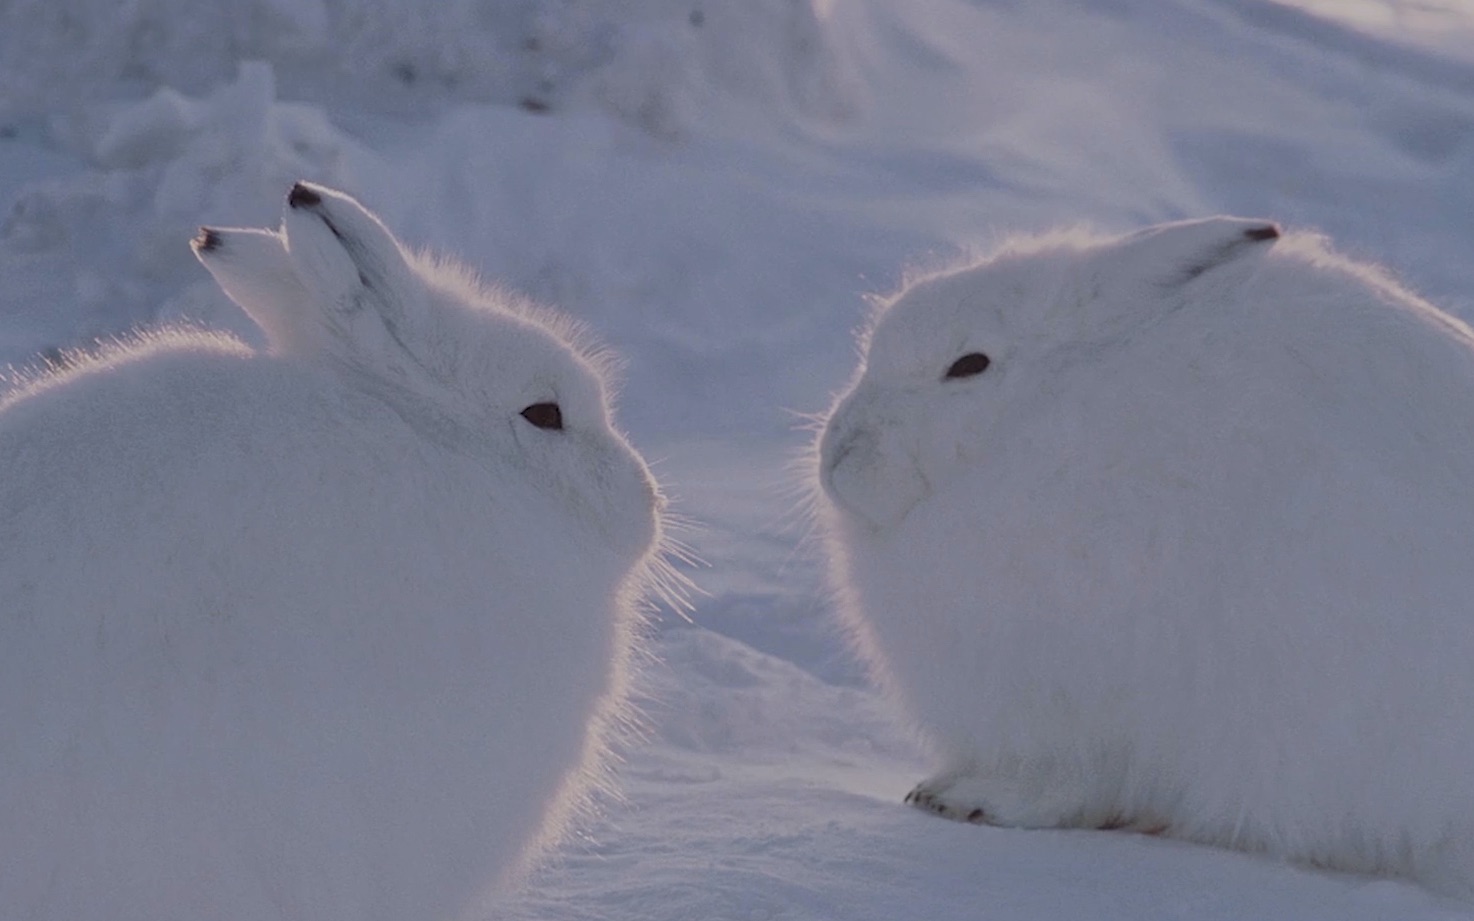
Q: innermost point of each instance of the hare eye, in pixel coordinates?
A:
(544, 416)
(969, 365)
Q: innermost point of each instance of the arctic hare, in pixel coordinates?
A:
(337, 630)
(1173, 531)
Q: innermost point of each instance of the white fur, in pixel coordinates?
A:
(326, 633)
(1195, 553)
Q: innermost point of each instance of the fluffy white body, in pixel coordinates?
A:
(1190, 552)
(334, 631)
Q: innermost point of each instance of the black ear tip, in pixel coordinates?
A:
(302, 196)
(1263, 234)
(207, 240)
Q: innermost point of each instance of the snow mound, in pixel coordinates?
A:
(155, 167)
(1441, 26)
(656, 63)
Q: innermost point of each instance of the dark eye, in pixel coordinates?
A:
(969, 365)
(544, 416)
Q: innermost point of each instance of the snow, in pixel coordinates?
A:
(714, 189)
(1441, 26)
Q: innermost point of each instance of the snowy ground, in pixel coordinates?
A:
(714, 188)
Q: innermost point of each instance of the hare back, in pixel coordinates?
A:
(252, 614)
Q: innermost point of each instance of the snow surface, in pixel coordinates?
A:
(1445, 26)
(714, 188)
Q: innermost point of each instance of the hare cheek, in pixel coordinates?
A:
(609, 487)
(874, 482)
(639, 507)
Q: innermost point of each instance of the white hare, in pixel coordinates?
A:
(1173, 531)
(338, 630)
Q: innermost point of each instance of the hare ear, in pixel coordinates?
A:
(1138, 278)
(1181, 252)
(347, 259)
(253, 269)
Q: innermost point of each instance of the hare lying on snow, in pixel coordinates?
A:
(336, 631)
(1173, 531)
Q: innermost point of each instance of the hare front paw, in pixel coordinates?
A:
(930, 799)
(985, 799)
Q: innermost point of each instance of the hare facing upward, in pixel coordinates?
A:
(1172, 531)
(337, 630)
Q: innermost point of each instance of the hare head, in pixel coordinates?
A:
(464, 364)
(954, 357)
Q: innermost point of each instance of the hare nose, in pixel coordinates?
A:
(844, 431)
